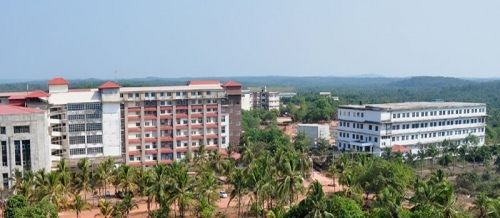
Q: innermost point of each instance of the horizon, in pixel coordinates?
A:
(391, 38)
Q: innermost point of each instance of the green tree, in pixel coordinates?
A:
(79, 205)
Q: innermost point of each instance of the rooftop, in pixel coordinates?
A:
(58, 81)
(16, 110)
(109, 85)
(413, 106)
(203, 82)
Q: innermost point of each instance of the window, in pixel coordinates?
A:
(376, 128)
(4, 154)
(94, 139)
(26, 149)
(2, 130)
(17, 152)
(76, 127)
(73, 140)
(21, 129)
(76, 107)
(77, 151)
(94, 116)
(76, 117)
(94, 126)
(93, 106)
(97, 150)
(5, 177)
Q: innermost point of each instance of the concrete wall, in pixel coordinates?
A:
(111, 129)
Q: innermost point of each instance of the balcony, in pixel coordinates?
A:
(196, 115)
(55, 146)
(166, 117)
(134, 109)
(166, 139)
(135, 164)
(134, 152)
(166, 161)
(151, 151)
(133, 118)
(196, 106)
(196, 137)
(150, 117)
(211, 125)
(196, 126)
(150, 108)
(166, 150)
(150, 128)
(134, 141)
(134, 129)
(166, 127)
(150, 139)
(181, 149)
(181, 107)
(55, 121)
(181, 126)
(181, 138)
(151, 163)
(212, 148)
(211, 114)
(181, 115)
(212, 136)
(209, 106)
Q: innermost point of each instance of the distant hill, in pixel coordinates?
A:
(430, 82)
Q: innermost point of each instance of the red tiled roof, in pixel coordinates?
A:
(17, 97)
(232, 83)
(14, 110)
(109, 85)
(204, 82)
(399, 149)
(58, 81)
(37, 94)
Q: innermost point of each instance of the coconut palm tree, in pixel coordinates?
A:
(105, 172)
(127, 204)
(482, 205)
(391, 200)
(432, 151)
(316, 198)
(105, 209)
(158, 189)
(83, 177)
(79, 205)
(126, 178)
(181, 188)
(290, 183)
(237, 179)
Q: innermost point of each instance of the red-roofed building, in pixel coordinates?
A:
(58, 81)
(232, 83)
(109, 85)
(17, 110)
(24, 136)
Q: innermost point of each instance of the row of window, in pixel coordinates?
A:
(436, 123)
(358, 125)
(84, 116)
(84, 151)
(358, 137)
(91, 139)
(438, 113)
(84, 106)
(81, 127)
(436, 134)
(17, 129)
(22, 153)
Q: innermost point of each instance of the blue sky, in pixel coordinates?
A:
(42, 39)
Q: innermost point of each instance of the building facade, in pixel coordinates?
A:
(162, 124)
(265, 99)
(84, 123)
(135, 125)
(24, 141)
(315, 132)
(371, 128)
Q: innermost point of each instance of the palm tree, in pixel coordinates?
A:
(82, 177)
(482, 204)
(105, 173)
(290, 183)
(316, 198)
(432, 151)
(473, 141)
(391, 200)
(127, 204)
(237, 180)
(421, 156)
(105, 209)
(79, 205)
(181, 188)
(158, 189)
(462, 151)
(126, 178)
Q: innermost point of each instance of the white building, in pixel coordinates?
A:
(84, 122)
(370, 128)
(265, 99)
(23, 140)
(246, 100)
(315, 132)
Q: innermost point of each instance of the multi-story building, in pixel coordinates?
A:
(246, 100)
(265, 99)
(84, 122)
(372, 127)
(165, 123)
(24, 140)
(315, 132)
(136, 125)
